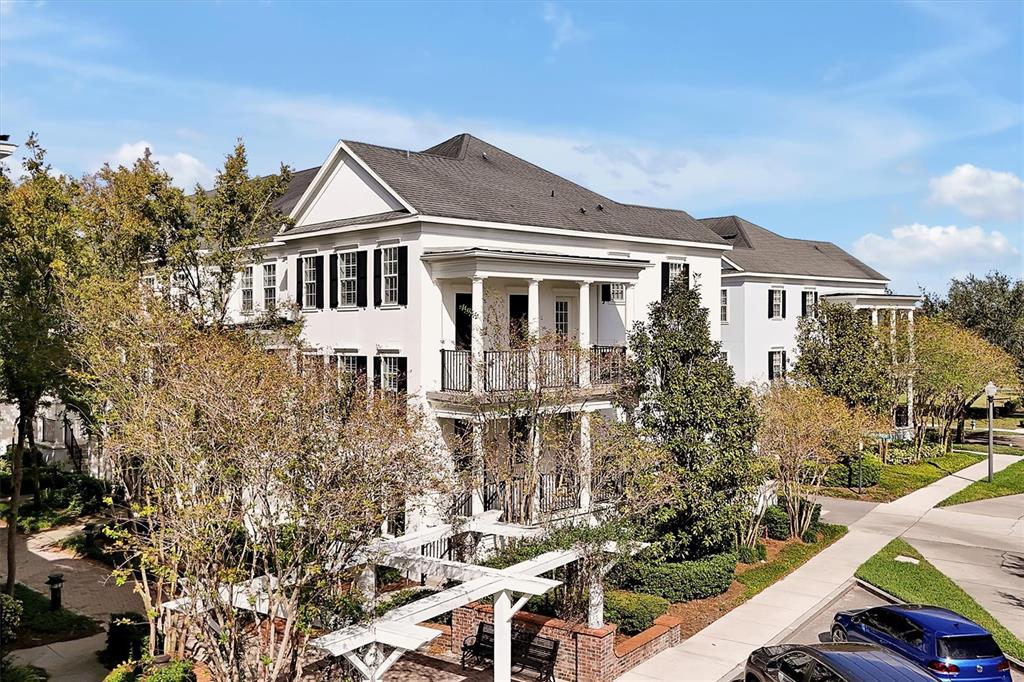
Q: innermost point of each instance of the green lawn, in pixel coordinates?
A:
(1009, 481)
(983, 448)
(925, 584)
(898, 480)
(40, 625)
(792, 557)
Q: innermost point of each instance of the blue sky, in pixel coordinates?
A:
(892, 129)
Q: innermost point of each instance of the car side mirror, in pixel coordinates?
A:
(772, 665)
(857, 620)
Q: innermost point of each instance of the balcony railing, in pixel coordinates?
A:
(509, 370)
(558, 492)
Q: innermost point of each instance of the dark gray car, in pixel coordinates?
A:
(830, 663)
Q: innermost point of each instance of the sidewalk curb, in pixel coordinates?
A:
(879, 592)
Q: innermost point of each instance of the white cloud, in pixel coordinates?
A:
(980, 193)
(565, 29)
(922, 255)
(185, 169)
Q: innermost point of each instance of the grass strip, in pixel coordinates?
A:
(792, 557)
(40, 624)
(983, 448)
(922, 583)
(1009, 481)
(898, 480)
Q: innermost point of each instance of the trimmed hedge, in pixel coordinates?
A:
(776, 522)
(10, 618)
(683, 580)
(848, 472)
(631, 611)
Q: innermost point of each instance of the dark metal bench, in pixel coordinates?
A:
(528, 651)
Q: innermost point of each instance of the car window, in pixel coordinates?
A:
(822, 673)
(795, 665)
(903, 629)
(969, 647)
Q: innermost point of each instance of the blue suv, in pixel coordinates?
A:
(945, 643)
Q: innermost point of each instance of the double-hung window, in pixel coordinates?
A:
(675, 270)
(348, 275)
(389, 372)
(618, 292)
(309, 282)
(269, 286)
(723, 303)
(809, 303)
(389, 275)
(777, 309)
(562, 317)
(247, 289)
(776, 364)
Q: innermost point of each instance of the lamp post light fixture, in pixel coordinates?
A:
(990, 393)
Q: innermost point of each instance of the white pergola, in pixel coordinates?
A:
(374, 647)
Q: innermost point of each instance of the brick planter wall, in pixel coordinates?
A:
(584, 654)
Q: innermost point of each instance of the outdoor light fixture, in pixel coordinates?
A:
(990, 392)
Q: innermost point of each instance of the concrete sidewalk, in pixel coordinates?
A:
(714, 652)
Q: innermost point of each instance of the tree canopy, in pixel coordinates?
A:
(683, 397)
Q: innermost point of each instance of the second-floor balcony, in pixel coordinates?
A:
(502, 371)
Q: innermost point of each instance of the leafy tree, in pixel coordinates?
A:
(40, 258)
(683, 397)
(992, 306)
(953, 365)
(841, 353)
(804, 430)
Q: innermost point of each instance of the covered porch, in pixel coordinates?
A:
(527, 320)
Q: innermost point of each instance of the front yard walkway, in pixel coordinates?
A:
(714, 652)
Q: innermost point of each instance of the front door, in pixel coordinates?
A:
(518, 320)
(463, 321)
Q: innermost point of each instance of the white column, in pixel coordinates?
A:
(366, 585)
(477, 337)
(630, 313)
(533, 321)
(503, 636)
(586, 464)
(874, 317)
(595, 603)
(910, 374)
(585, 334)
(478, 469)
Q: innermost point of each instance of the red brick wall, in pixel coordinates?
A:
(584, 654)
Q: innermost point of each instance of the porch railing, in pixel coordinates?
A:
(607, 364)
(456, 370)
(509, 370)
(607, 489)
(506, 370)
(558, 492)
(559, 368)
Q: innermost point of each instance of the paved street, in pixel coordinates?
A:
(775, 614)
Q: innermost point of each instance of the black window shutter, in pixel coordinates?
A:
(376, 279)
(783, 304)
(771, 366)
(686, 275)
(319, 268)
(784, 364)
(361, 366)
(403, 275)
(815, 303)
(298, 282)
(606, 293)
(402, 365)
(770, 303)
(803, 304)
(334, 280)
(376, 371)
(361, 283)
(664, 280)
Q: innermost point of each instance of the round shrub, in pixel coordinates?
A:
(633, 612)
(751, 555)
(175, 671)
(776, 522)
(851, 471)
(683, 580)
(11, 618)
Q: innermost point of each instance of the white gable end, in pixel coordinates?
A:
(344, 190)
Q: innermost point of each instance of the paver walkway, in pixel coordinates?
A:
(714, 652)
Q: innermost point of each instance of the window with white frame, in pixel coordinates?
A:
(389, 374)
(269, 286)
(724, 355)
(348, 273)
(389, 274)
(675, 269)
(776, 295)
(309, 282)
(149, 283)
(724, 306)
(179, 289)
(810, 303)
(562, 317)
(311, 361)
(618, 292)
(777, 368)
(247, 289)
(347, 363)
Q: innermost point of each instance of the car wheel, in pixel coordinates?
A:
(838, 634)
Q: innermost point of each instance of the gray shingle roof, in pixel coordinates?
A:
(465, 177)
(756, 249)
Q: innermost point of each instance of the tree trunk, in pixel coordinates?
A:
(12, 512)
(30, 432)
